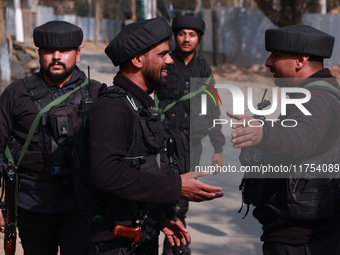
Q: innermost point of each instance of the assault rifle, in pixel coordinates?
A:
(9, 208)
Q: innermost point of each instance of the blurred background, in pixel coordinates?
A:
(234, 28)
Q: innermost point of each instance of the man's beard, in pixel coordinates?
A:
(154, 81)
(59, 76)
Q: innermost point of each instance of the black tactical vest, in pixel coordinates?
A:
(302, 195)
(177, 86)
(52, 149)
(148, 153)
(148, 150)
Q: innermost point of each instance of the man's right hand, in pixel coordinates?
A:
(197, 191)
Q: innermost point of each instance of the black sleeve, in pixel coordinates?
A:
(1, 166)
(110, 128)
(311, 134)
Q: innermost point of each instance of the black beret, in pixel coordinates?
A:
(300, 39)
(136, 38)
(188, 22)
(57, 34)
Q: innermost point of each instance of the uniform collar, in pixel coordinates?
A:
(122, 81)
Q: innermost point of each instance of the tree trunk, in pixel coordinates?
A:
(133, 8)
(238, 3)
(118, 11)
(198, 7)
(216, 29)
(323, 6)
(89, 16)
(19, 26)
(290, 13)
(97, 15)
(5, 70)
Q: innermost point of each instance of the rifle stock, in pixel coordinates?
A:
(10, 210)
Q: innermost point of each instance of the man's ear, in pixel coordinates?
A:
(137, 60)
(301, 60)
(78, 55)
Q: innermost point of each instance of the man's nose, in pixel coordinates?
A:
(56, 54)
(169, 60)
(269, 61)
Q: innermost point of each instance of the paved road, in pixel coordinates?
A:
(101, 67)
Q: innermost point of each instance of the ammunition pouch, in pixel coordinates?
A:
(61, 125)
(33, 158)
(62, 120)
(153, 130)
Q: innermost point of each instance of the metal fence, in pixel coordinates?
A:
(241, 36)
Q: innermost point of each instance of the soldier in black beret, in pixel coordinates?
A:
(188, 31)
(129, 159)
(52, 209)
(299, 213)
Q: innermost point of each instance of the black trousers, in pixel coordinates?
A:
(42, 233)
(122, 246)
(326, 244)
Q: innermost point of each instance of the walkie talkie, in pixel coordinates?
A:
(86, 102)
(263, 104)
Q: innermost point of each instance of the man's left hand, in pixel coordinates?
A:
(176, 233)
(217, 159)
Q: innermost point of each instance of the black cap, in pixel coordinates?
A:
(136, 38)
(300, 39)
(57, 34)
(188, 22)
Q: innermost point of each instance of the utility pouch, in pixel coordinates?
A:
(62, 120)
(32, 162)
(153, 130)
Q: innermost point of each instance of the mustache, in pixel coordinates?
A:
(165, 67)
(56, 62)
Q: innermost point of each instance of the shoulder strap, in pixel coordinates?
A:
(37, 120)
(324, 85)
(115, 91)
(40, 93)
(183, 98)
